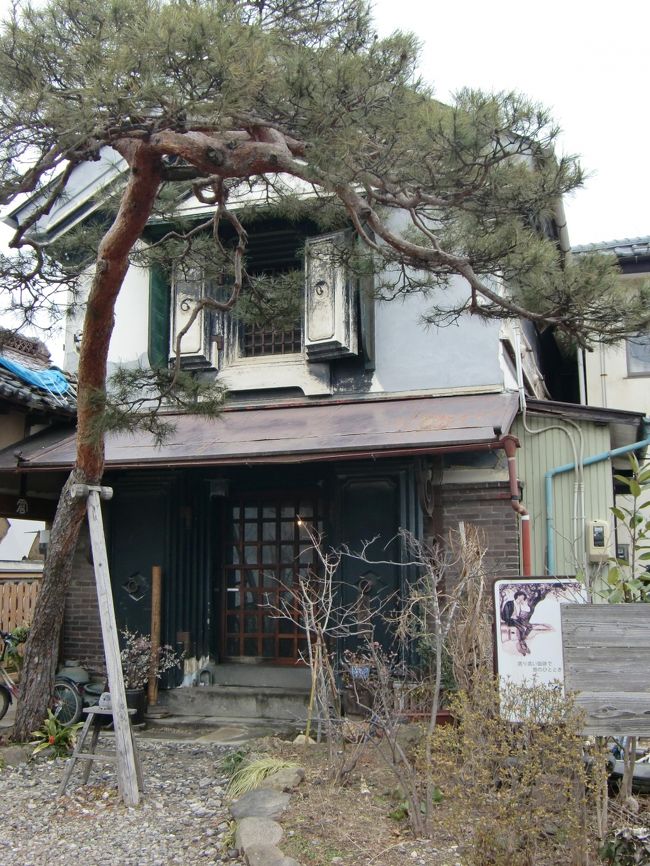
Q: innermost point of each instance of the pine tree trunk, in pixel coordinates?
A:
(42, 647)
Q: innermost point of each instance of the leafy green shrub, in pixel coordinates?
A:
(58, 739)
(629, 581)
(629, 846)
(233, 761)
(14, 657)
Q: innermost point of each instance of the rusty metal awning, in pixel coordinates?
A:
(297, 433)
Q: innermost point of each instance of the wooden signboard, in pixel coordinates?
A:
(606, 651)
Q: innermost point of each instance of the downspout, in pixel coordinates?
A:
(569, 467)
(510, 444)
(582, 381)
(603, 377)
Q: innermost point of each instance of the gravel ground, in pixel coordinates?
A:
(182, 818)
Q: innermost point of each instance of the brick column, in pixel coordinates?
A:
(486, 506)
(82, 633)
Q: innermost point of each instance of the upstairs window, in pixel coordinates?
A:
(274, 253)
(256, 341)
(322, 305)
(638, 355)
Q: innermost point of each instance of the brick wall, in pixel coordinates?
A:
(487, 506)
(82, 635)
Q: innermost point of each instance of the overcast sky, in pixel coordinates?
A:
(587, 61)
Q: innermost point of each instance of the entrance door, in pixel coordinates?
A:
(265, 551)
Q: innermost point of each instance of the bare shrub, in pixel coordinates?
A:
(525, 783)
(470, 641)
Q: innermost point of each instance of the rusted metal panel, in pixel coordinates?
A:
(297, 433)
(607, 663)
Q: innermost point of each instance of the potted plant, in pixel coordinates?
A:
(137, 667)
(357, 679)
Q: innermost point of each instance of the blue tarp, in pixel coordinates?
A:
(53, 381)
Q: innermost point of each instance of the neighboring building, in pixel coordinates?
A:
(33, 397)
(358, 420)
(618, 376)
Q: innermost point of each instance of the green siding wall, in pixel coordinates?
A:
(538, 454)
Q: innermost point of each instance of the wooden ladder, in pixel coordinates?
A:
(93, 720)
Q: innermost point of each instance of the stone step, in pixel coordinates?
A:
(263, 675)
(237, 702)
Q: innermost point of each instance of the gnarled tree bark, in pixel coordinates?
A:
(42, 647)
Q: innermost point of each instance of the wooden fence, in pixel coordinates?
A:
(607, 662)
(18, 591)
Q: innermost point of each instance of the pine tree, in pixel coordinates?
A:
(213, 94)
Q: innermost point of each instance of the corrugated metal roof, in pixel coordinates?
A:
(294, 434)
(626, 248)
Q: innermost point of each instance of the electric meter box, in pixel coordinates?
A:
(598, 541)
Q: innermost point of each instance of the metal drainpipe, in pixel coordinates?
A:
(510, 444)
(568, 467)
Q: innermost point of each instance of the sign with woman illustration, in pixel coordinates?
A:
(529, 629)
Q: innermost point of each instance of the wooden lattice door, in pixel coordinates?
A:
(266, 549)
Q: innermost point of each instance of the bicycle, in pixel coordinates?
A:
(67, 701)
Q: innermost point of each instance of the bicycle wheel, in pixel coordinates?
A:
(67, 704)
(4, 701)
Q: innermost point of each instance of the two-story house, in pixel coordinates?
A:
(358, 420)
(618, 376)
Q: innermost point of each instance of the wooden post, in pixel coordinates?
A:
(156, 599)
(127, 777)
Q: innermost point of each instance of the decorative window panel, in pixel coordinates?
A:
(273, 251)
(330, 303)
(198, 344)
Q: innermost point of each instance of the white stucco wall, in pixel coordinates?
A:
(131, 333)
(610, 385)
(413, 356)
(410, 356)
(129, 341)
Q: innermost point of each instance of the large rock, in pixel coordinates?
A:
(266, 803)
(304, 740)
(284, 780)
(268, 855)
(257, 831)
(12, 756)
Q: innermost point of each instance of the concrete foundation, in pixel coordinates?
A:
(241, 691)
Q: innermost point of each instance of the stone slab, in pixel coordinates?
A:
(257, 831)
(284, 780)
(226, 734)
(268, 855)
(260, 803)
(12, 756)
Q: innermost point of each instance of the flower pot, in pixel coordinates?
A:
(356, 702)
(136, 699)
